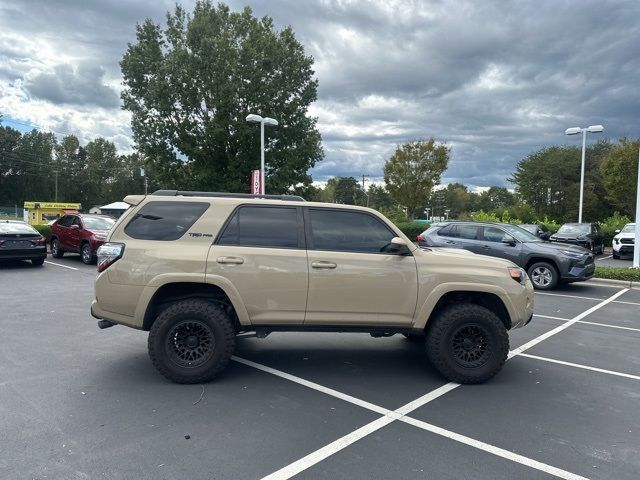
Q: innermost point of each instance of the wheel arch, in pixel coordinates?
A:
(536, 259)
(170, 292)
(492, 299)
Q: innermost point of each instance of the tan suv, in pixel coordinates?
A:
(195, 269)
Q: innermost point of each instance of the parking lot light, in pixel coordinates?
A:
(575, 131)
(262, 121)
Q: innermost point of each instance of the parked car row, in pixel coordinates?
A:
(78, 233)
(547, 263)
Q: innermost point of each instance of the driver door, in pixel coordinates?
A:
(353, 278)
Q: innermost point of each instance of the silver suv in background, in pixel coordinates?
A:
(547, 264)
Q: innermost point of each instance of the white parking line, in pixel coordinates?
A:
(500, 452)
(400, 414)
(627, 303)
(567, 296)
(590, 323)
(584, 367)
(604, 258)
(565, 325)
(60, 265)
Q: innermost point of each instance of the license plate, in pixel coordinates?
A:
(19, 244)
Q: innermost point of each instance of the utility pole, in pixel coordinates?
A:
(364, 175)
(146, 182)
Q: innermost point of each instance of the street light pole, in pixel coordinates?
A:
(262, 121)
(575, 131)
(636, 245)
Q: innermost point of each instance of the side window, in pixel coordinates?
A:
(76, 221)
(467, 232)
(493, 234)
(164, 220)
(65, 221)
(447, 231)
(348, 231)
(274, 227)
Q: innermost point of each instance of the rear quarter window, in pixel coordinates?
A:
(164, 220)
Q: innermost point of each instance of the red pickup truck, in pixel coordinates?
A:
(81, 234)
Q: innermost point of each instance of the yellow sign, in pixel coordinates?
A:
(56, 205)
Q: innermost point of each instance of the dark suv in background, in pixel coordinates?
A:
(586, 235)
(81, 234)
(546, 263)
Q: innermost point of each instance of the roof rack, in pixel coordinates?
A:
(186, 193)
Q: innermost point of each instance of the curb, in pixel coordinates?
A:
(615, 283)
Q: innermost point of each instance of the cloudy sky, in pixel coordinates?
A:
(494, 79)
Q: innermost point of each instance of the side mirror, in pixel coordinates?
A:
(397, 246)
(509, 240)
(545, 235)
(75, 227)
(618, 231)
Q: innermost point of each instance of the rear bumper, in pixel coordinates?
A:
(23, 254)
(98, 313)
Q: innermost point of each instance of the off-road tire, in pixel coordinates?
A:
(56, 251)
(444, 331)
(38, 261)
(207, 317)
(541, 267)
(86, 256)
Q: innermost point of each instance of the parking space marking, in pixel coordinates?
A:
(401, 413)
(500, 452)
(628, 303)
(568, 296)
(584, 367)
(590, 323)
(604, 258)
(60, 265)
(565, 325)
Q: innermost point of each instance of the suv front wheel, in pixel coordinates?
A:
(191, 341)
(467, 343)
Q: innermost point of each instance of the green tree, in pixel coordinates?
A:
(190, 86)
(379, 198)
(413, 170)
(619, 171)
(344, 190)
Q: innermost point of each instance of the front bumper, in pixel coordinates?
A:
(579, 273)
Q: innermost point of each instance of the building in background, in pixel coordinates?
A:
(42, 213)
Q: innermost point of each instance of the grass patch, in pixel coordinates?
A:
(628, 274)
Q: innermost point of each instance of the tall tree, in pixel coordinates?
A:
(413, 170)
(190, 86)
(619, 171)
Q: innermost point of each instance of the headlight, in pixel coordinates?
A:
(572, 254)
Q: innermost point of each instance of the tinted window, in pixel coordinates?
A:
(65, 221)
(164, 220)
(493, 234)
(446, 231)
(348, 231)
(76, 221)
(275, 227)
(467, 232)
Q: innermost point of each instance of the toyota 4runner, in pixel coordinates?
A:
(196, 268)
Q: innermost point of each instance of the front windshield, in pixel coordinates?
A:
(529, 228)
(574, 229)
(628, 228)
(521, 234)
(98, 223)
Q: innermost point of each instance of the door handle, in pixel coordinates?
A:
(230, 260)
(450, 242)
(325, 265)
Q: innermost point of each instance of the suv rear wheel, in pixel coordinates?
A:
(56, 251)
(86, 255)
(191, 341)
(467, 343)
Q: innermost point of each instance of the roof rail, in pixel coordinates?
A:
(186, 193)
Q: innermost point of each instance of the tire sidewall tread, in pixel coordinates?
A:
(555, 277)
(438, 343)
(224, 337)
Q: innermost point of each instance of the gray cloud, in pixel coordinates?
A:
(496, 80)
(74, 86)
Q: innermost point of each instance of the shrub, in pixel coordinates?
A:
(629, 274)
(45, 230)
(608, 226)
(412, 229)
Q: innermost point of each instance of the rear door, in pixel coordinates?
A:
(261, 250)
(353, 280)
(73, 234)
(468, 237)
(62, 228)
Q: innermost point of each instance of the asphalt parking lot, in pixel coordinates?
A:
(80, 403)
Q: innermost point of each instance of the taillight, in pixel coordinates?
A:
(39, 241)
(109, 253)
(420, 238)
